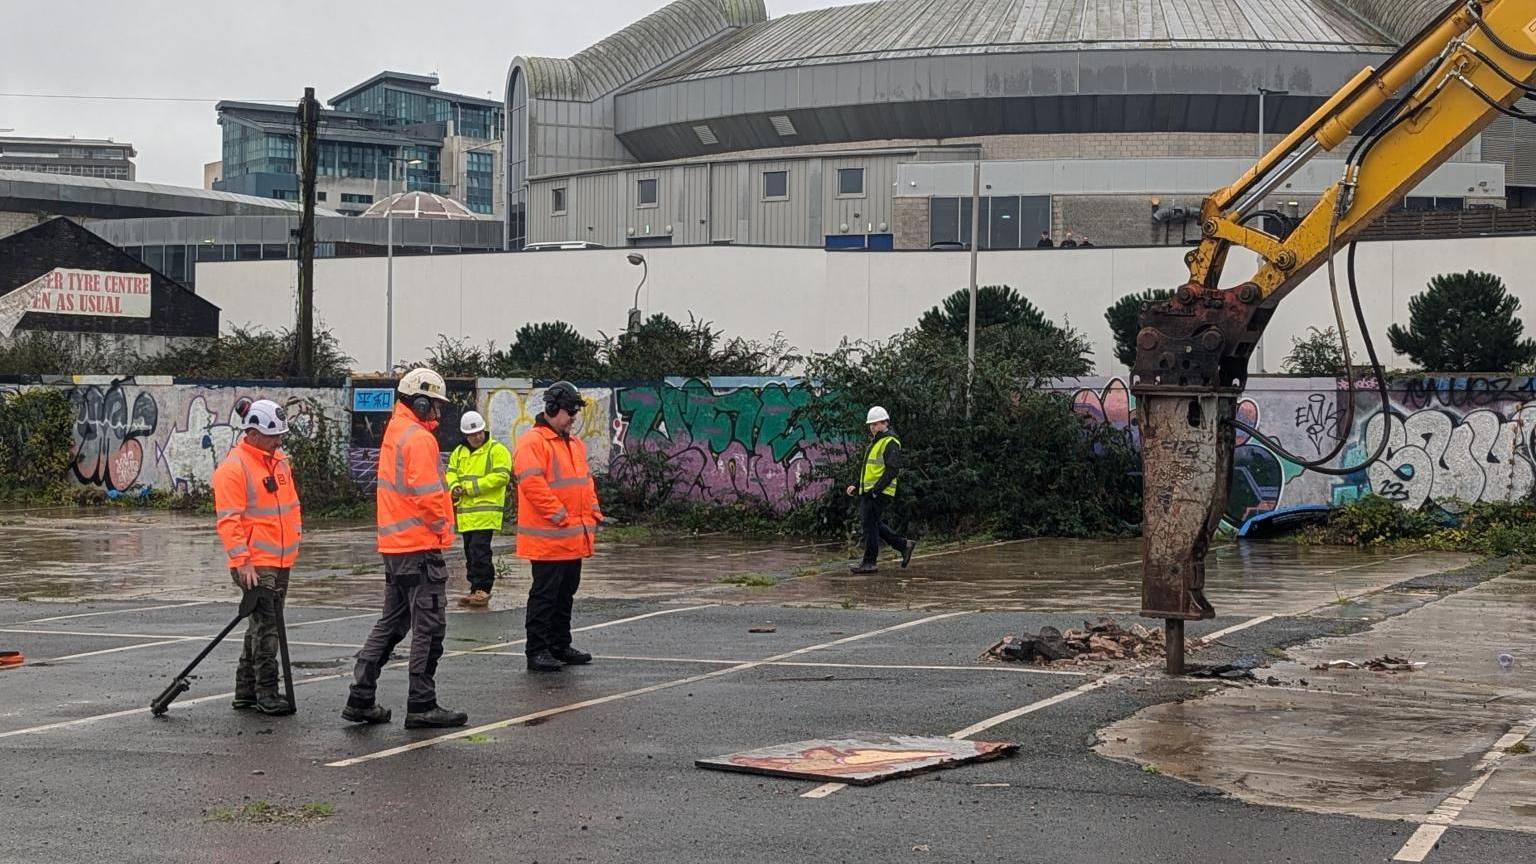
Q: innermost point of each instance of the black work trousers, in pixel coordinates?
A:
(415, 604)
(871, 509)
(478, 562)
(549, 604)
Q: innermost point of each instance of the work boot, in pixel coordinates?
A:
(863, 568)
(244, 700)
(273, 705)
(570, 656)
(476, 598)
(906, 554)
(371, 715)
(437, 718)
(544, 661)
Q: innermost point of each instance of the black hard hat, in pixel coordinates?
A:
(563, 394)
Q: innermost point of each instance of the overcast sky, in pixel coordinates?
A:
(265, 51)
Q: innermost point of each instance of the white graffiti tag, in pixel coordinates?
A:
(1432, 457)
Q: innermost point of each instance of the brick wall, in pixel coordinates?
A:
(10, 222)
(910, 223)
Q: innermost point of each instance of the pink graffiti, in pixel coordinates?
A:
(1116, 406)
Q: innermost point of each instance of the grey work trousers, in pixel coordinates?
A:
(415, 601)
(257, 672)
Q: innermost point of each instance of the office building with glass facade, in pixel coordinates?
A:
(857, 127)
(81, 157)
(394, 132)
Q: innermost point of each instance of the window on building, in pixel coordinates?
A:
(352, 198)
(319, 196)
(776, 185)
(850, 181)
(649, 193)
(480, 182)
(557, 200)
(1007, 221)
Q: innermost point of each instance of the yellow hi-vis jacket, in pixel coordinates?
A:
(483, 474)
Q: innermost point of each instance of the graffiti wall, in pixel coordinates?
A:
(727, 442)
(155, 434)
(510, 408)
(1449, 441)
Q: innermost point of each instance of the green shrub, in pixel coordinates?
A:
(36, 444)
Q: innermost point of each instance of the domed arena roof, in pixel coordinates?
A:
(419, 205)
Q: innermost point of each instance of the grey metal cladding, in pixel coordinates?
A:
(639, 49)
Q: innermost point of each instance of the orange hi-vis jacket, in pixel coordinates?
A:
(557, 510)
(415, 509)
(258, 508)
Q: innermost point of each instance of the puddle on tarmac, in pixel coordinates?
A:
(119, 554)
(108, 554)
(1105, 576)
(1365, 743)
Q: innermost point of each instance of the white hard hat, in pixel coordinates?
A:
(877, 415)
(424, 382)
(471, 423)
(266, 417)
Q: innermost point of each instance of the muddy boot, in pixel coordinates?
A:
(906, 554)
(245, 700)
(371, 715)
(570, 656)
(544, 661)
(863, 568)
(273, 705)
(437, 718)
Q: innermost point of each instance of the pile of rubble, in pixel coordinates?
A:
(1380, 664)
(1100, 640)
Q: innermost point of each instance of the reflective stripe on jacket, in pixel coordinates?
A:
(483, 476)
(557, 509)
(874, 466)
(259, 527)
(415, 511)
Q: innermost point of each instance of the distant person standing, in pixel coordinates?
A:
(1069, 243)
(1084, 242)
(875, 490)
(478, 474)
(557, 519)
(1045, 241)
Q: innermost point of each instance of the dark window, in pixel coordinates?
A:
(210, 252)
(648, 192)
(1004, 226)
(176, 263)
(850, 181)
(944, 220)
(775, 184)
(557, 200)
(274, 251)
(965, 221)
(319, 196)
(248, 252)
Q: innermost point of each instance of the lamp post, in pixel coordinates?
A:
(389, 283)
(638, 260)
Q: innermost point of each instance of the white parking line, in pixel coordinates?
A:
(641, 691)
(81, 721)
(1443, 817)
(894, 667)
(113, 612)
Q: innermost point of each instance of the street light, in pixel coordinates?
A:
(389, 289)
(638, 260)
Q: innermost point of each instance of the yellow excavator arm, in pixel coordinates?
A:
(1401, 122)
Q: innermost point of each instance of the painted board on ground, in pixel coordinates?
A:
(861, 761)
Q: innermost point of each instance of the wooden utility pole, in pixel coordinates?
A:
(309, 146)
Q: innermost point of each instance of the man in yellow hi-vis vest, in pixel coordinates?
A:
(478, 474)
(876, 488)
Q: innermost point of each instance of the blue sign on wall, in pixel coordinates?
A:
(367, 401)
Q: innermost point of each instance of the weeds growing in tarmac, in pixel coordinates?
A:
(749, 580)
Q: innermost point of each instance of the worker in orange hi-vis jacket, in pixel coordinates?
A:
(260, 524)
(415, 526)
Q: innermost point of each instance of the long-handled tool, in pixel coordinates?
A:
(183, 683)
(278, 602)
